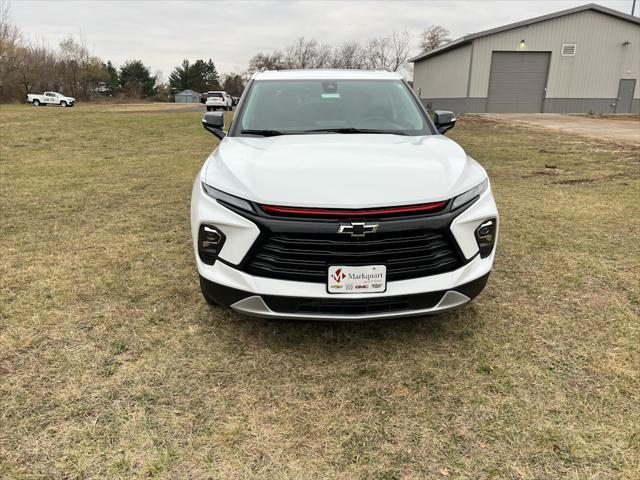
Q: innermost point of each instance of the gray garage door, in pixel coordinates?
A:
(517, 81)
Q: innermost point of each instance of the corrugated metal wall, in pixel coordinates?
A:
(587, 81)
(187, 99)
(444, 76)
(594, 72)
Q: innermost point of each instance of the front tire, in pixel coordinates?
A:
(63, 103)
(207, 299)
(36, 103)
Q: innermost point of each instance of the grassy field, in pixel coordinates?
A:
(112, 366)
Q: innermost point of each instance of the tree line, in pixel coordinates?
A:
(202, 76)
(27, 66)
(71, 68)
(390, 52)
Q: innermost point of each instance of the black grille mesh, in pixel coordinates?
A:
(342, 304)
(306, 256)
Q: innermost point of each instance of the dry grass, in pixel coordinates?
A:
(112, 366)
(139, 107)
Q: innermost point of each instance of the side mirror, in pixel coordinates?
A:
(444, 120)
(213, 122)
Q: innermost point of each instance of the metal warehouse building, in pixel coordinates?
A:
(187, 96)
(585, 59)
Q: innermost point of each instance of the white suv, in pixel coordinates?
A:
(334, 196)
(217, 100)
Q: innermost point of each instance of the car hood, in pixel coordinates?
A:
(341, 170)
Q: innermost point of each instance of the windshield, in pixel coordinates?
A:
(280, 107)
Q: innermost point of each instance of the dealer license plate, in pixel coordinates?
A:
(360, 279)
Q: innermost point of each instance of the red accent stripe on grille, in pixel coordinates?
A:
(353, 213)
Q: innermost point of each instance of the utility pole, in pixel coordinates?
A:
(633, 7)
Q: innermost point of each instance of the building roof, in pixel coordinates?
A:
(326, 74)
(469, 38)
(188, 92)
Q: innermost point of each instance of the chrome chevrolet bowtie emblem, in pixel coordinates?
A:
(358, 229)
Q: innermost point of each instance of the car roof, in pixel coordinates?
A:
(326, 74)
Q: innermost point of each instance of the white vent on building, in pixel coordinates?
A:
(568, 49)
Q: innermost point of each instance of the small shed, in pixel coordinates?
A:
(187, 96)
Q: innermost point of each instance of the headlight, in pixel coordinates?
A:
(226, 198)
(470, 194)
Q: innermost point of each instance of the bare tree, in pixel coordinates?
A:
(38, 68)
(388, 53)
(349, 55)
(11, 44)
(398, 50)
(323, 57)
(73, 55)
(27, 66)
(262, 61)
(302, 54)
(81, 71)
(381, 53)
(376, 53)
(433, 37)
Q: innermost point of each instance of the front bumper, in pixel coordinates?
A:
(339, 309)
(227, 283)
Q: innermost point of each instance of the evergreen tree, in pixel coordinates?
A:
(233, 84)
(136, 79)
(178, 80)
(200, 76)
(113, 81)
(211, 78)
(197, 76)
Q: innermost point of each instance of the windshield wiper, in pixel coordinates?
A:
(353, 130)
(263, 133)
(273, 133)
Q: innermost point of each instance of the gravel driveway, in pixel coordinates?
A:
(619, 128)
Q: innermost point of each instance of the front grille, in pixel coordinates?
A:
(343, 305)
(305, 257)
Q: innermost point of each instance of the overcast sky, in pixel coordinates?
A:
(162, 33)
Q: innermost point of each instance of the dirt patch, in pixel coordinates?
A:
(573, 181)
(604, 128)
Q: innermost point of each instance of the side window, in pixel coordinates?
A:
(48, 94)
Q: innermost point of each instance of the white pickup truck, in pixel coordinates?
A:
(51, 98)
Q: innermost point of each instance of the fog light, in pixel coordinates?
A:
(486, 237)
(210, 241)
